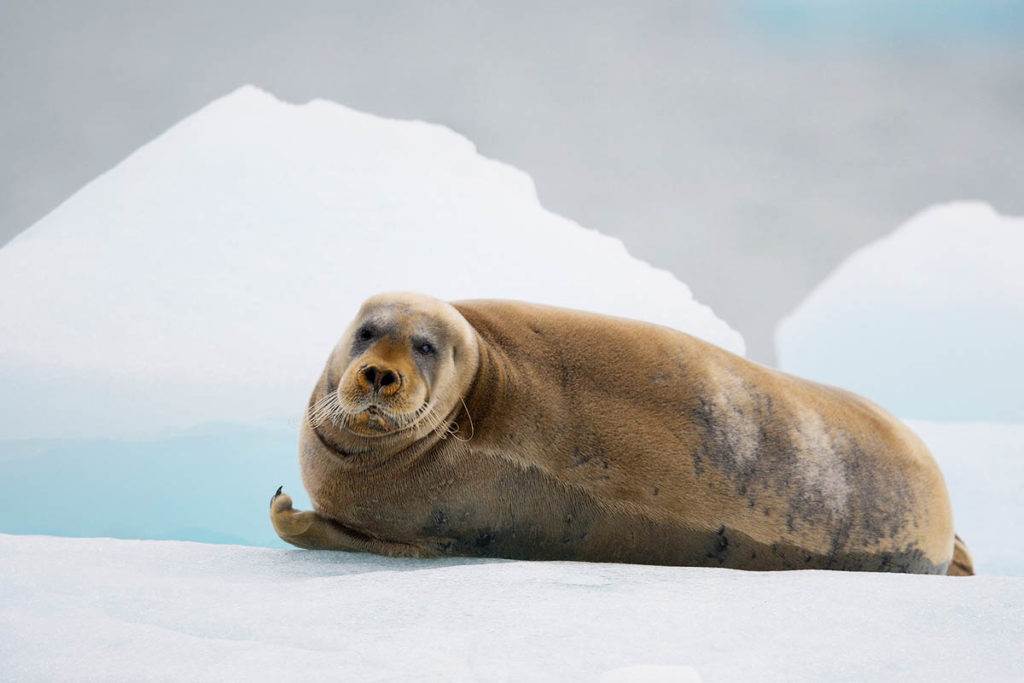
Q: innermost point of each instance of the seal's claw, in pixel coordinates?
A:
(278, 490)
(280, 504)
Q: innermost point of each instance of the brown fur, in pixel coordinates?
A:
(540, 433)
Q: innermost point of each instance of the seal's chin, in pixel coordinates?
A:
(373, 420)
(367, 422)
(376, 420)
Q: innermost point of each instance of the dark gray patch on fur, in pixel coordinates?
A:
(878, 503)
(698, 463)
(565, 376)
(719, 551)
(484, 538)
(661, 378)
(595, 458)
(438, 520)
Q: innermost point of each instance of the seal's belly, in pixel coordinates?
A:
(518, 513)
(613, 538)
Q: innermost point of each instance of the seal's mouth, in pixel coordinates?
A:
(376, 418)
(370, 416)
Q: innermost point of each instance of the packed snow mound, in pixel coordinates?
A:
(98, 609)
(207, 276)
(928, 322)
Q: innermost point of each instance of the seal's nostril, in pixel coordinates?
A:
(377, 378)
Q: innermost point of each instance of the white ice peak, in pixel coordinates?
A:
(928, 321)
(207, 275)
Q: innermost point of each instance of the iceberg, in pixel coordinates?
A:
(928, 321)
(983, 464)
(160, 331)
(207, 276)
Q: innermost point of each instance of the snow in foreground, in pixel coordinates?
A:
(208, 275)
(78, 609)
(928, 321)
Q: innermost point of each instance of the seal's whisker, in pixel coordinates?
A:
(413, 418)
(314, 416)
(472, 428)
(324, 403)
(326, 408)
(435, 425)
(438, 426)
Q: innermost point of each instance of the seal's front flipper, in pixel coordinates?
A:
(290, 524)
(307, 529)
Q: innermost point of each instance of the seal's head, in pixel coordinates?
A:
(404, 363)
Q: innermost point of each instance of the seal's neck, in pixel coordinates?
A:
(492, 385)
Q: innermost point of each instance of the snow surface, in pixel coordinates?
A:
(99, 609)
(928, 322)
(206, 277)
(213, 485)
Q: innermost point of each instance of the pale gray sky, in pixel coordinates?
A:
(747, 147)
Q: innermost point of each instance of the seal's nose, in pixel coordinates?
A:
(379, 378)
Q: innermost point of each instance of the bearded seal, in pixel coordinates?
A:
(512, 430)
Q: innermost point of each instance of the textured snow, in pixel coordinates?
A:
(99, 609)
(651, 673)
(207, 276)
(928, 322)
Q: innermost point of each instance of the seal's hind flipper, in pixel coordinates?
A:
(962, 564)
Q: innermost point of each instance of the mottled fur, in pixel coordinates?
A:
(586, 437)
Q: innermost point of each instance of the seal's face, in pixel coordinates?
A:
(393, 361)
(401, 363)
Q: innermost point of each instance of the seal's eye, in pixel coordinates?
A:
(366, 334)
(425, 348)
